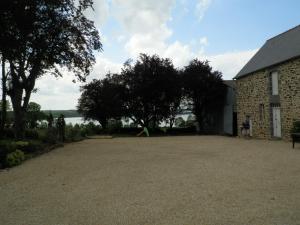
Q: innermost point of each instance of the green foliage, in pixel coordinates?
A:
(190, 122)
(89, 129)
(21, 144)
(8, 106)
(40, 38)
(205, 89)
(30, 147)
(49, 135)
(179, 122)
(8, 146)
(102, 100)
(153, 89)
(34, 115)
(8, 133)
(114, 126)
(73, 133)
(296, 127)
(14, 158)
(31, 134)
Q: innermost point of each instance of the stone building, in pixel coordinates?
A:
(268, 87)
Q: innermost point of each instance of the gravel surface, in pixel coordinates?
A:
(196, 180)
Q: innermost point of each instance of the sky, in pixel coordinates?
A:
(227, 33)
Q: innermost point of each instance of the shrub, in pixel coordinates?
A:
(30, 147)
(15, 158)
(21, 144)
(296, 127)
(114, 126)
(9, 133)
(88, 129)
(31, 134)
(179, 122)
(8, 146)
(73, 133)
(48, 135)
(91, 128)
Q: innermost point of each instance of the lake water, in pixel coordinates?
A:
(80, 120)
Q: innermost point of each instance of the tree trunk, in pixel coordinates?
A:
(4, 106)
(19, 125)
(19, 122)
(19, 87)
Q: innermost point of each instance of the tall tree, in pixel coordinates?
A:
(40, 37)
(102, 100)
(151, 88)
(206, 90)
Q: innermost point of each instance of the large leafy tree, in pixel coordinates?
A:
(42, 36)
(205, 89)
(152, 89)
(102, 100)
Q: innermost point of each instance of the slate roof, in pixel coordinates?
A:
(278, 49)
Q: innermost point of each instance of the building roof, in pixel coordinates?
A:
(278, 49)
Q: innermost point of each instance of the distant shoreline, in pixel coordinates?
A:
(66, 113)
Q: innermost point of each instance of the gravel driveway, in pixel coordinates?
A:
(197, 180)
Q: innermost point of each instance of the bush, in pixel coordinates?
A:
(30, 147)
(114, 126)
(9, 133)
(89, 129)
(8, 145)
(179, 122)
(15, 158)
(48, 135)
(296, 127)
(73, 133)
(31, 134)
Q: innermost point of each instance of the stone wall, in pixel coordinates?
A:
(252, 91)
(289, 93)
(254, 99)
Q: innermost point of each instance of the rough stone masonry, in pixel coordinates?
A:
(254, 98)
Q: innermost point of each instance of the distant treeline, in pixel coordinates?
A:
(55, 113)
(66, 113)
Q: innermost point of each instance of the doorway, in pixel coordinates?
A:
(276, 121)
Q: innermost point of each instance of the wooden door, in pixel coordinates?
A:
(276, 122)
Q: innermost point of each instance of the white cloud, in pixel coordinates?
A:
(229, 63)
(142, 16)
(179, 53)
(104, 66)
(145, 23)
(201, 8)
(61, 93)
(56, 93)
(120, 38)
(100, 13)
(203, 41)
(151, 42)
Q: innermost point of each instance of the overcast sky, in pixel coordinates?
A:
(225, 32)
